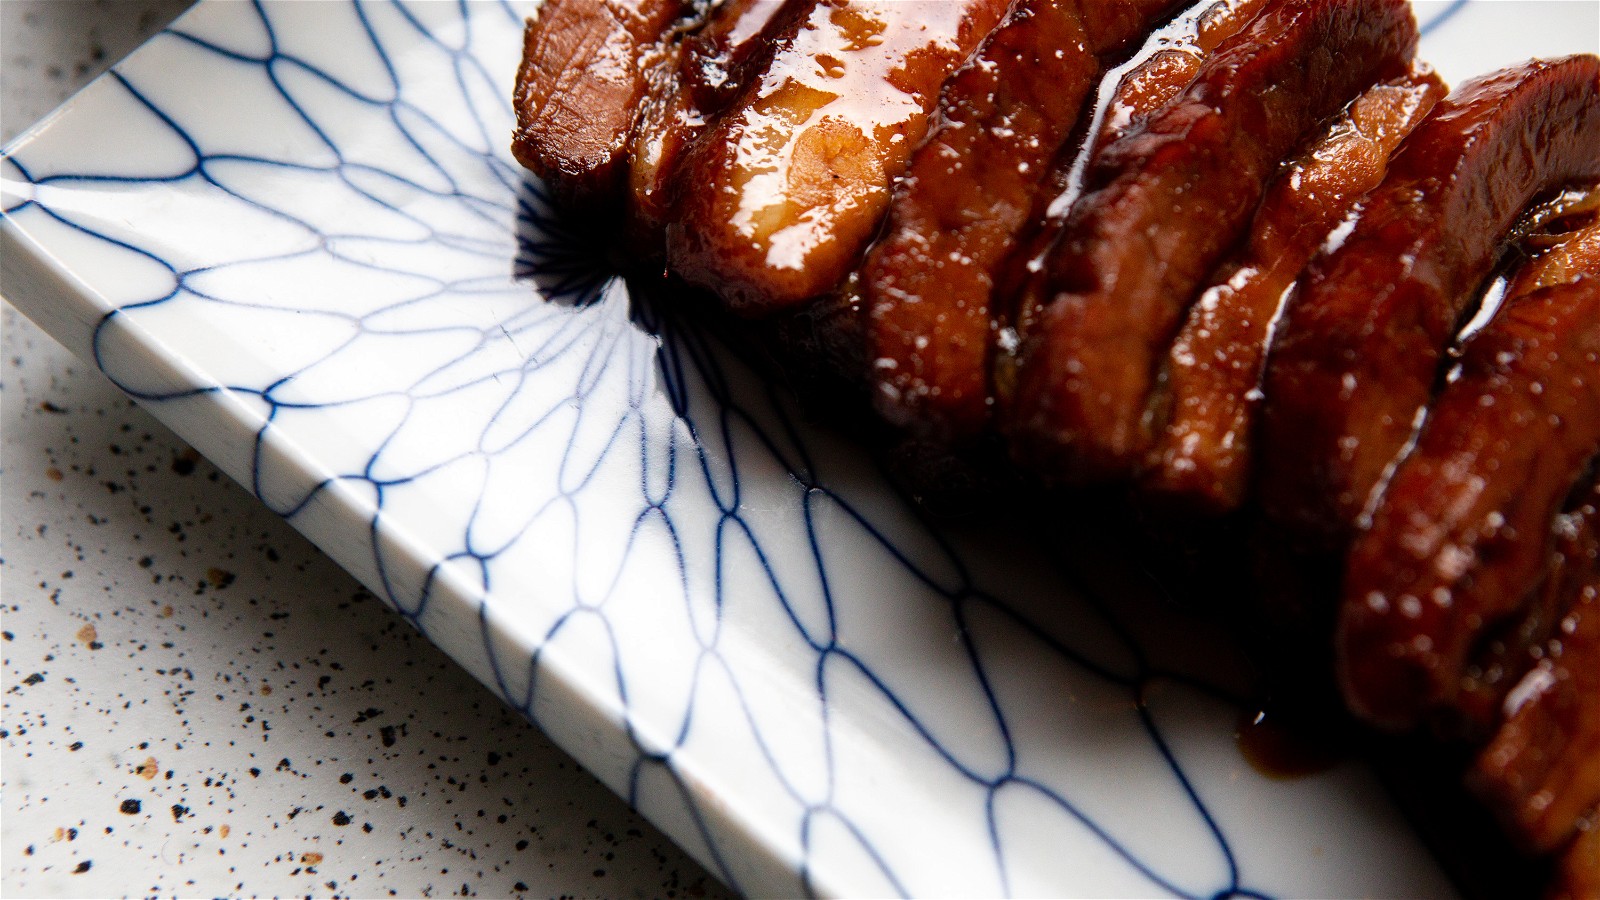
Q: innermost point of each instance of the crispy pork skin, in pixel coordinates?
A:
(579, 90)
(791, 183)
(1164, 203)
(1210, 393)
(1358, 353)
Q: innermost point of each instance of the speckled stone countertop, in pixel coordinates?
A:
(195, 701)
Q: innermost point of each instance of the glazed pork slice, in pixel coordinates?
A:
(1163, 65)
(973, 186)
(1168, 62)
(1358, 352)
(1506, 654)
(968, 189)
(1162, 205)
(783, 192)
(1541, 772)
(579, 89)
(1558, 243)
(692, 83)
(1460, 537)
(1210, 391)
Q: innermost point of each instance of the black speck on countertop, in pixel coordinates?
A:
(168, 640)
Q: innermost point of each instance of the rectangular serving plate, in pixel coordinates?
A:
(294, 233)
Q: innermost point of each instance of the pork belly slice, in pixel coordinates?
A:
(1168, 62)
(692, 83)
(1359, 349)
(1556, 243)
(1162, 206)
(974, 185)
(1541, 772)
(1131, 90)
(1462, 533)
(583, 79)
(783, 192)
(1209, 395)
(968, 190)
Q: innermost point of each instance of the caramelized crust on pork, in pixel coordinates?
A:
(1461, 535)
(1563, 237)
(1171, 59)
(582, 81)
(1045, 261)
(693, 81)
(1358, 353)
(974, 185)
(958, 208)
(1578, 875)
(1165, 202)
(1210, 392)
(1541, 772)
(1129, 93)
(792, 181)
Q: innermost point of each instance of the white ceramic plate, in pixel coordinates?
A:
(294, 232)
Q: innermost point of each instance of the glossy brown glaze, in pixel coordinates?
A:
(1210, 392)
(790, 184)
(1130, 92)
(693, 82)
(583, 79)
(1462, 532)
(1578, 874)
(722, 57)
(1541, 772)
(1504, 655)
(1169, 60)
(1557, 243)
(973, 186)
(1562, 243)
(1359, 349)
(1290, 750)
(968, 190)
(1112, 27)
(1163, 204)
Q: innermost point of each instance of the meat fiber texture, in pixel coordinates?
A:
(1230, 257)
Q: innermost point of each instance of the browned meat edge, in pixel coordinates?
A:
(1209, 392)
(1165, 202)
(579, 89)
(1353, 364)
(791, 183)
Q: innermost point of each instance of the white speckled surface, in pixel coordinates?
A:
(195, 701)
(809, 685)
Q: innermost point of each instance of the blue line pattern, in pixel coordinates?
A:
(316, 260)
